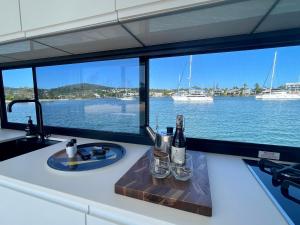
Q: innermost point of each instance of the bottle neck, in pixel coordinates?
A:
(179, 129)
(179, 121)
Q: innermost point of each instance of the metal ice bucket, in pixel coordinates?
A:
(162, 140)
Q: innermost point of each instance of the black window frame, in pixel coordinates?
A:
(3, 110)
(140, 138)
(215, 45)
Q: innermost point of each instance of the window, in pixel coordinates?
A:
(18, 85)
(226, 96)
(101, 95)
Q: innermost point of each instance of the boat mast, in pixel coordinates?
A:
(190, 75)
(179, 80)
(273, 71)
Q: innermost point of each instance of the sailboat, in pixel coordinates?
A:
(126, 96)
(271, 94)
(191, 95)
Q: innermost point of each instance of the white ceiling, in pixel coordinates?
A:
(93, 40)
(6, 60)
(218, 21)
(27, 50)
(230, 18)
(285, 15)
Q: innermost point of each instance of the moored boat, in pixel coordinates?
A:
(191, 95)
(277, 94)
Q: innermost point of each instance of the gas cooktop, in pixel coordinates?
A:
(282, 183)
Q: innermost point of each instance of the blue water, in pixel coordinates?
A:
(98, 114)
(234, 118)
(227, 118)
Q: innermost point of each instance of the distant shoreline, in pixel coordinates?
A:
(78, 99)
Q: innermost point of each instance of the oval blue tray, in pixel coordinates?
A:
(113, 153)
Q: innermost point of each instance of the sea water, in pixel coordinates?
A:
(226, 118)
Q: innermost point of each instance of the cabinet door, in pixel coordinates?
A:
(17, 208)
(41, 14)
(9, 17)
(91, 220)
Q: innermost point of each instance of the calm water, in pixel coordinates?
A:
(235, 118)
(227, 118)
(99, 114)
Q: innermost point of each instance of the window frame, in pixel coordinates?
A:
(215, 45)
(3, 110)
(140, 138)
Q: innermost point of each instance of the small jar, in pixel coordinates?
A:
(71, 150)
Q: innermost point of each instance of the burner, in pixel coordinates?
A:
(280, 171)
(282, 184)
(285, 190)
(283, 175)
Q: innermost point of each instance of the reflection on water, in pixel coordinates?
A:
(227, 118)
(98, 114)
(21, 111)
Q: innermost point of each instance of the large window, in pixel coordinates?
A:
(102, 95)
(248, 96)
(18, 84)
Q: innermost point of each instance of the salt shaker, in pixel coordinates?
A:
(71, 150)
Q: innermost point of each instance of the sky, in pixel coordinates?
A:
(228, 69)
(208, 70)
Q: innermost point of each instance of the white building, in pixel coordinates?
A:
(294, 87)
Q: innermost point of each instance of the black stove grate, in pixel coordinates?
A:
(283, 175)
(282, 183)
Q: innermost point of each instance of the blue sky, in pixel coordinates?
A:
(107, 73)
(18, 78)
(228, 69)
(222, 69)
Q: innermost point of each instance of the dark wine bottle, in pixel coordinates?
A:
(178, 144)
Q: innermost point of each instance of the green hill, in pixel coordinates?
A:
(73, 91)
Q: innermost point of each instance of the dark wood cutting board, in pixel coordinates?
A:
(192, 196)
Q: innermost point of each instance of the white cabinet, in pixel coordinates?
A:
(56, 15)
(91, 220)
(100, 214)
(10, 24)
(17, 208)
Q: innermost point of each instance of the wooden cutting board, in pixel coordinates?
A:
(192, 196)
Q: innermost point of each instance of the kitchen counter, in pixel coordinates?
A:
(237, 198)
(9, 135)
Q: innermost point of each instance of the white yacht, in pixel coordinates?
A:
(191, 95)
(126, 98)
(278, 95)
(271, 94)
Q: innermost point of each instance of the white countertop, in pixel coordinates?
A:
(9, 135)
(237, 198)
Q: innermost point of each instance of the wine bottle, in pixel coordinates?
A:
(178, 148)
